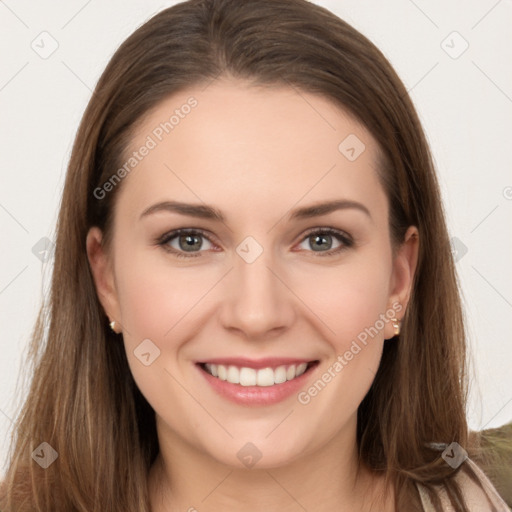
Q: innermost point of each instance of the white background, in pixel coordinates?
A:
(465, 104)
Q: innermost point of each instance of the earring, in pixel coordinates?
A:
(396, 325)
(113, 326)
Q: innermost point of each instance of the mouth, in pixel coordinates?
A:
(257, 374)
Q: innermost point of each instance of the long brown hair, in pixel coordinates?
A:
(83, 400)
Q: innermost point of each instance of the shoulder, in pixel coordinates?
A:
(479, 493)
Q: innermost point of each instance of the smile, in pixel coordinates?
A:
(263, 377)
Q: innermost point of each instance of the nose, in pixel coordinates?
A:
(258, 302)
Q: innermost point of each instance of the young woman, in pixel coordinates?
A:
(254, 303)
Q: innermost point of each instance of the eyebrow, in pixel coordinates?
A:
(204, 211)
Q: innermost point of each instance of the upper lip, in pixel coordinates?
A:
(267, 362)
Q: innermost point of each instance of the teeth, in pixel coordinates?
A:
(248, 376)
(265, 377)
(222, 372)
(280, 375)
(251, 377)
(290, 373)
(233, 375)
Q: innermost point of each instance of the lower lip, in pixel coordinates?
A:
(257, 395)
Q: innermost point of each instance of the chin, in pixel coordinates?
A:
(258, 452)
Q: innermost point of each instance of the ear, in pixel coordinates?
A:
(402, 278)
(103, 275)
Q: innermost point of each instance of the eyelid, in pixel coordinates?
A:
(329, 231)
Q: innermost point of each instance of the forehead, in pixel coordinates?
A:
(250, 147)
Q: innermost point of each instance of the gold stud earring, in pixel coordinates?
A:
(396, 325)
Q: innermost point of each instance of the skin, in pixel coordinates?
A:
(255, 154)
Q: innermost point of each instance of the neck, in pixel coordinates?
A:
(183, 478)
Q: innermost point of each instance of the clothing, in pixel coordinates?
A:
(496, 458)
(476, 499)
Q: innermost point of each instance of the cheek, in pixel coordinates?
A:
(349, 299)
(158, 303)
(154, 297)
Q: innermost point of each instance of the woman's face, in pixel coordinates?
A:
(275, 284)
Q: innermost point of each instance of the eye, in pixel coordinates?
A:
(184, 243)
(319, 238)
(188, 242)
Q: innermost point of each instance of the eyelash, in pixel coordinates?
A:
(342, 237)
